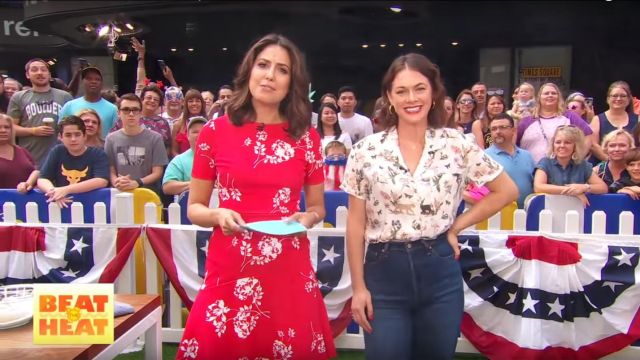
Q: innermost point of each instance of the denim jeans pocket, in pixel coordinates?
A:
(442, 249)
(374, 255)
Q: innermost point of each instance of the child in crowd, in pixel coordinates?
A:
(525, 103)
(72, 167)
(335, 161)
(629, 185)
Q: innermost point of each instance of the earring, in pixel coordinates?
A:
(392, 111)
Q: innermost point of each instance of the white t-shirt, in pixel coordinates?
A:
(358, 126)
(343, 138)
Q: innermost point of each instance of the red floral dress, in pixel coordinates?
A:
(260, 298)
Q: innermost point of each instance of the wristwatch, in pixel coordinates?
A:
(140, 183)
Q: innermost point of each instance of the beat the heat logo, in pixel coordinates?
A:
(73, 314)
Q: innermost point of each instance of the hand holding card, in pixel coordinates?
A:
(276, 227)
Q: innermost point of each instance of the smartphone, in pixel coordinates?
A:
(162, 64)
(83, 63)
(588, 101)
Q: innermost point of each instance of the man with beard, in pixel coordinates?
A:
(517, 162)
(35, 111)
(479, 91)
(92, 99)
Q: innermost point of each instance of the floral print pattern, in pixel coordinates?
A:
(260, 298)
(246, 318)
(189, 348)
(401, 206)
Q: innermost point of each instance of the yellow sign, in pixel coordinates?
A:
(73, 314)
(541, 72)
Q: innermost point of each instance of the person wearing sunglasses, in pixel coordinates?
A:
(137, 155)
(534, 132)
(620, 115)
(465, 108)
(564, 171)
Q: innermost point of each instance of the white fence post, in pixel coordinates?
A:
(626, 223)
(599, 223)
(55, 215)
(546, 221)
(77, 213)
(9, 212)
(100, 213)
(520, 220)
(125, 284)
(572, 222)
(32, 212)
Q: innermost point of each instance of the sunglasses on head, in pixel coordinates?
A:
(495, 92)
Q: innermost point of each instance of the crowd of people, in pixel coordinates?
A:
(406, 169)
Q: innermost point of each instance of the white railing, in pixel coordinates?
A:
(126, 281)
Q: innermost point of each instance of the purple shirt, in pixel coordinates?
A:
(17, 170)
(534, 135)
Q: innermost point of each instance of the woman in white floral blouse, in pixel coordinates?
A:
(405, 185)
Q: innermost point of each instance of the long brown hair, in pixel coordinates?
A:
(191, 94)
(295, 107)
(420, 63)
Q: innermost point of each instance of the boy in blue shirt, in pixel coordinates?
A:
(72, 167)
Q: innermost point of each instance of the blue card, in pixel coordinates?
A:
(276, 227)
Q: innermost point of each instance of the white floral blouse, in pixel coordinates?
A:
(404, 207)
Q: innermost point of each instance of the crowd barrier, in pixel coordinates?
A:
(122, 210)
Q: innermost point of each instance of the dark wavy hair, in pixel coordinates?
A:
(186, 115)
(337, 130)
(420, 63)
(295, 107)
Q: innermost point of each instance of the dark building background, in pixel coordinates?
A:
(331, 34)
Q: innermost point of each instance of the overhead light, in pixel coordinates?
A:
(174, 49)
(190, 49)
(364, 46)
(396, 9)
(104, 30)
(129, 26)
(418, 44)
(383, 45)
(117, 29)
(88, 28)
(224, 49)
(401, 45)
(455, 43)
(51, 62)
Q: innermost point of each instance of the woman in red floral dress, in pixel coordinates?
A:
(260, 298)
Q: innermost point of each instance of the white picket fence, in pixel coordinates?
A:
(126, 281)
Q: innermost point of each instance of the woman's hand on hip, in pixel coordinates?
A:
(452, 238)
(362, 309)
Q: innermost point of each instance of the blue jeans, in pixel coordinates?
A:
(416, 289)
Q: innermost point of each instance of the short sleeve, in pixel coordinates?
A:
(314, 164)
(49, 166)
(354, 182)
(588, 171)
(174, 171)
(13, 109)
(204, 165)
(64, 112)
(101, 164)
(576, 120)
(544, 164)
(481, 167)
